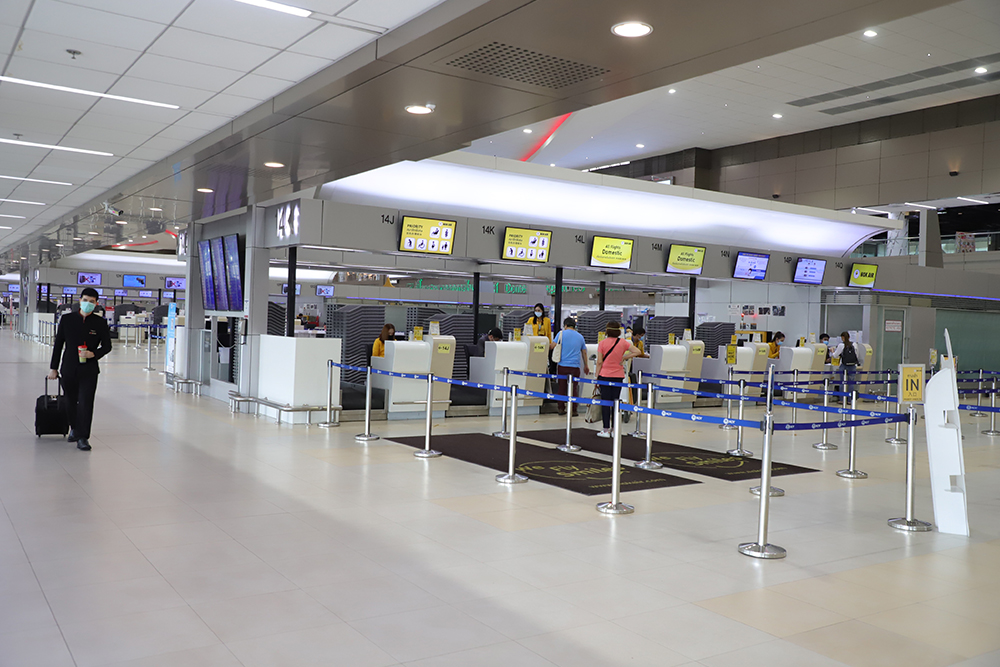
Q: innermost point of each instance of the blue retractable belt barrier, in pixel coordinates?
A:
(567, 399)
(979, 408)
(876, 397)
(829, 408)
(820, 392)
(538, 375)
(815, 426)
(687, 416)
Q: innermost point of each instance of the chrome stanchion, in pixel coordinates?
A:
(367, 435)
(992, 430)
(616, 506)
(908, 522)
(979, 398)
(427, 452)
(648, 463)
(824, 443)
(774, 491)
(503, 432)
(149, 350)
(739, 451)
(729, 403)
(329, 423)
(568, 446)
(511, 477)
(138, 336)
(795, 395)
(843, 388)
(638, 400)
(760, 548)
(852, 471)
(895, 439)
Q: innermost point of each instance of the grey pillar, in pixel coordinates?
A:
(557, 317)
(692, 292)
(602, 294)
(929, 249)
(475, 307)
(293, 258)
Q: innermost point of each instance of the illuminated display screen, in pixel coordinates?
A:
(88, 279)
(809, 271)
(69, 290)
(234, 272)
(207, 279)
(145, 294)
(436, 237)
(175, 283)
(609, 253)
(219, 274)
(863, 275)
(526, 245)
(688, 259)
(132, 280)
(751, 266)
(121, 292)
(325, 291)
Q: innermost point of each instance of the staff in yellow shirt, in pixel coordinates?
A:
(541, 325)
(774, 347)
(388, 333)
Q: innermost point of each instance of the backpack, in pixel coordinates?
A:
(849, 356)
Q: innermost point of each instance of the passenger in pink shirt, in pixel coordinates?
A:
(612, 353)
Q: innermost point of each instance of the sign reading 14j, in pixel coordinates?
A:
(288, 220)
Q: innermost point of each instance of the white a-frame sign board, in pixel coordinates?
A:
(944, 448)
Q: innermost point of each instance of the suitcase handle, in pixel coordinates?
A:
(58, 386)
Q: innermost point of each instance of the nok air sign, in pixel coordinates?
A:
(611, 253)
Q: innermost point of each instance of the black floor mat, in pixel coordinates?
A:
(550, 466)
(690, 459)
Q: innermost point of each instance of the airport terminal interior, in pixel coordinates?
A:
(482, 332)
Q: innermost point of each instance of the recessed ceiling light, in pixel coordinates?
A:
(34, 180)
(527, 130)
(632, 29)
(870, 33)
(672, 91)
(420, 109)
(59, 245)
(121, 222)
(981, 70)
(206, 190)
(6, 227)
(143, 236)
(93, 233)
(640, 145)
(919, 205)
(18, 217)
(977, 201)
(31, 144)
(21, 201)
(553, 164)
(278, 7)
(776, 115)
(155, 209)
(77, 238)
(274, 165)
(177, 226)
(89, 93)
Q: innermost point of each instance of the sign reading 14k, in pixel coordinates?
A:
(288, 220)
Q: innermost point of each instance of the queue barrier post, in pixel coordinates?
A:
(329, 423)
(992, 430)
(503, 432)
(979, 398)
(774, 491)
(729, 404)
(843, 387)
(760, 548)
(895, 439)
(825, 444)
(852, 471)
(648, 463)
(909, 522)
(739, 451)
(795, 395)
(512, 477)
(367, 435)
(427, 452)
(568, 446)
(637, 433)
(616, 506)
(149, 349)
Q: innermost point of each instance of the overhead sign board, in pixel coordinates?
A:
(911, 383)
(863, 275)
(427, 235)
(609, 253)
(526, 245)
(686, 259)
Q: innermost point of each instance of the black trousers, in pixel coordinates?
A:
(608, 394)
(80, 389)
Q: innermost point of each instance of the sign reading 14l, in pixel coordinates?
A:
(288, 220)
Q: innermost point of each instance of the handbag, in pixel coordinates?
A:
(556, 356)
(594, 410)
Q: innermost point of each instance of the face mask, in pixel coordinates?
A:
(538, 313)
(87, 307)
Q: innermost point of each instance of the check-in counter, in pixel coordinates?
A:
(442, 365)
(695, 360)
(818, 359)
(292, 371)
(404, 397)
(666, 360)
(528, 354)
(866, 360)
(795, 359)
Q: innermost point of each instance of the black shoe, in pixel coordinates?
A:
(83, 445)
(72, 437)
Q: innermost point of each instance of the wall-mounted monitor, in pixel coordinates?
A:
(863, 275)
(234, 271)
(145, 294)
(88, 279)
(121, 292)
(44, 289)
(219, 274)
(14, 288)
(325, 291)
(809, 271)
(298, 289)
(69, 290)
(751, 266)
(610, 253)
(526, 245)
(168, 294)
(688, 259)
(175, 283)
(207, 279)
(133, 280)
(100, 290)
(436, 237)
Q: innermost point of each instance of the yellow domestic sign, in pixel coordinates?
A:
(444, 348)
(611, 253)
(435, 237)
(526, 245)
(685, 259)
(730, 354)
(911, 383)
(863, 275)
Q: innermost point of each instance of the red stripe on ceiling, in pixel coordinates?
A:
(174, 234)
(548, 136)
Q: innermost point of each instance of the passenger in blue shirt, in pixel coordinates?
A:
(574, 352)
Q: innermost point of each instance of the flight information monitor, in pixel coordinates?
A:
(609, 253)
(688, 259)
(526, 245)
(863, 275)
(809, 271)
(69, 290)
(121, 292)
(175, 283)
(207, 279)
(325, 291)
(145, 294)
(88, 279)
(751, 266)
(427, 235)
(133, 280)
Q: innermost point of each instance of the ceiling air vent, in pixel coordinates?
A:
(524, 66)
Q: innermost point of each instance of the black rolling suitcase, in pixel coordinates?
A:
(51, 415)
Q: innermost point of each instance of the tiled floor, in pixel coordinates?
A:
(189, 536)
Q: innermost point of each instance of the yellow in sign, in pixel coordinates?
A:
(730, 354)
(911, 383)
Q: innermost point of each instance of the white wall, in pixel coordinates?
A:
(802, 305)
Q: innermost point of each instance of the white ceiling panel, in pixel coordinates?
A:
(8, 38)
(153, 67)
(202, 121)
(257, 87)
(246, 23)
(291, 66)
(177, 131)
(12, 12)
(210, 50)
(157, 11)
(59, 75)
(325, 7)
(228, 105)
(106, 137)
(165, 144)
(59, 18)
(167, 93)
(386, 13)
(332, 42)
(30, 97)
(16, 118)
(138, 111)
(151, 154)
(97, 56)
(123, 123)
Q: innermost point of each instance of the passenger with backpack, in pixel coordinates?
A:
(847, 352)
